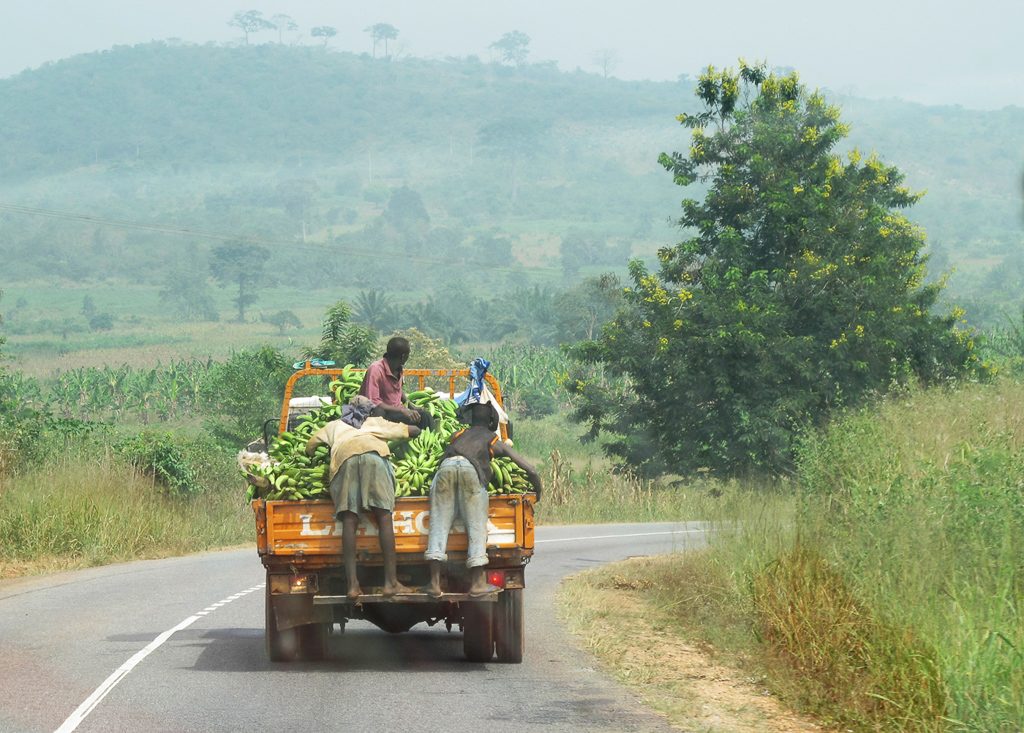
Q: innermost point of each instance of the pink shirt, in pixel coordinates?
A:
(381, 385)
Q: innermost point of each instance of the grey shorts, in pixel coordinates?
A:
(363, 482)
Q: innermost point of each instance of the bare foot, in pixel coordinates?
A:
(434, 591)
(476, 591)
(396, 588)
(354, 592)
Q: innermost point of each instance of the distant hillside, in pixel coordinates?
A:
(275, 104)
(302, 144)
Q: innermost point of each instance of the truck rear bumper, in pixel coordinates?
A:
(325, 600)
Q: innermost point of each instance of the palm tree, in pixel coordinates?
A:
(374, 308)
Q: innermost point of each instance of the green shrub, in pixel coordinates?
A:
(162, 456)
(240, 393)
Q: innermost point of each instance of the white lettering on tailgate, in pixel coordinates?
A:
(403, 525)
(406, 522)
(307, 528)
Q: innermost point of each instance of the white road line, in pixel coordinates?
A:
(616, 536)
(83, 710)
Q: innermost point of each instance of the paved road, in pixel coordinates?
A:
(177, 645)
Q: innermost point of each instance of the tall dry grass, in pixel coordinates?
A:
(79, 510)
(920, 505)
(885, 590)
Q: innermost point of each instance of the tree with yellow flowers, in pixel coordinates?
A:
(799, 288)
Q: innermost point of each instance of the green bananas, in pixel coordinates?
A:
(293, 475)
(347, 385)
(508, 478)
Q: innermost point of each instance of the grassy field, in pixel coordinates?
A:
(57, 339)
(81, 509)
(885, 593)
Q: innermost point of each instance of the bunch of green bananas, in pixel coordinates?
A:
(507, 478)
(443, 411)
(417, 464)
(291, 474)
(347, 385)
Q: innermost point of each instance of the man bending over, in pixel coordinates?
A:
(460, 489)
(362, 482)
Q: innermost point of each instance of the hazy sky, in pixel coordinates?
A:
(933, 51)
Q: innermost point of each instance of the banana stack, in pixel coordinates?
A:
(507, 478)
(442, 409)
(291, 474)
(347, 385)
(417, 464)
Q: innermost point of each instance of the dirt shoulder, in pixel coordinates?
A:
(615, 616)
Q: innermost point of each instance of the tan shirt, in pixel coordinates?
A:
(346, 441)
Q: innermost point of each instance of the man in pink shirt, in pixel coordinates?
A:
(382, 382)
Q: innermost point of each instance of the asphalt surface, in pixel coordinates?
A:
(177, 645)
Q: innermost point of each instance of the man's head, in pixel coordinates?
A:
(397, 352)
(362, 403)
(482, 414)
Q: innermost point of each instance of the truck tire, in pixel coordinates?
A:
(282, 644)
(313, 641)
(508, 626)
(477, 641)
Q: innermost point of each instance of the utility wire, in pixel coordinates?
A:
(323, 248)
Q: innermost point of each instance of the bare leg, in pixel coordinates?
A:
(434, 588)
(349, 524)
(478, 582)
(387, 548)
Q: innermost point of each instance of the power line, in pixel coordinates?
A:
(323, 248)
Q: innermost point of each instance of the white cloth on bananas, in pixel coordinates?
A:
(486, 396)
(346, 441)
(254, 466)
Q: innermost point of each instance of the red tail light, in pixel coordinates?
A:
(496, 578)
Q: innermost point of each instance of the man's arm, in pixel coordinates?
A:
(502, 449)
(319, 438)
(390, 430)
(312, 443)
(396, 414)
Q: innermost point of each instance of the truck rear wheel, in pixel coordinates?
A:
(282, 644)
(508, 626)
(477, 641)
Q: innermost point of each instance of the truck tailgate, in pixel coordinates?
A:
(309, 527)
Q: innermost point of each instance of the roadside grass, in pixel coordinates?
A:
(79, 510)
(644, 620)
(920, 506)
(885, 593)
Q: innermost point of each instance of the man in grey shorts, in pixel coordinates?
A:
(460, 489)
(362, 482)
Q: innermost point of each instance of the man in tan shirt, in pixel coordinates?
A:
(362, 482)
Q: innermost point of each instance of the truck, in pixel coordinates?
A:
(299, 544)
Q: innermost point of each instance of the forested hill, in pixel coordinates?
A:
(305, 143)
(272, 104)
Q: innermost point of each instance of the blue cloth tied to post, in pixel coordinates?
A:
(477, 371)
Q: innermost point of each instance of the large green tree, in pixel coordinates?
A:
(799, 288)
